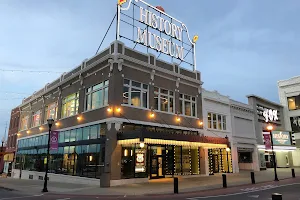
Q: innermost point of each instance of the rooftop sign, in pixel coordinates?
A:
(156, 30)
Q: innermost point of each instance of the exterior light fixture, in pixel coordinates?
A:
(40, 128)
(109, 109)
(201, 123)
(270, 127)
(57, 124)
(152, 115)
(27, 132)
(142, 144)
(79, 118)
(178, 118)
(228, 149)
(118, 110)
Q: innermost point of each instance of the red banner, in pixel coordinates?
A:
(54, 140)
(268, 144)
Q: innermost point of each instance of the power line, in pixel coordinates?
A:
(28, 71)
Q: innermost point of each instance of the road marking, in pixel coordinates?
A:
(253, 196)
(238, 193)
(64, 199)
(38, 195)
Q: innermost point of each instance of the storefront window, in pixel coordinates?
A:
(245, 157)
(97, 96)
(50, 112)
(70, 105)
(135, 94)
(164, 100)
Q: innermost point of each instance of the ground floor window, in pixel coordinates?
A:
(157, 161)
(245, 157)
(220, 161)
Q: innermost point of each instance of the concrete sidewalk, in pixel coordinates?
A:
(160, 186)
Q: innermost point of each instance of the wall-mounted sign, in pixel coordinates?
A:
(54, 140)
(269, 115)
(281, 138)
(140, 160)
(267, 139)
(153, 28)
(295, 124)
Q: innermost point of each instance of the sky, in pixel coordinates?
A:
(244, 47)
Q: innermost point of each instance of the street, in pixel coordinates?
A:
(289, 191)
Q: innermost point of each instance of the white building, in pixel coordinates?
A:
(289, 96)
(224, 117)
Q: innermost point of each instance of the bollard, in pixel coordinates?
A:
(175, 185)
(252, 178)
(293, 173)
(276, 196)
(224, 181)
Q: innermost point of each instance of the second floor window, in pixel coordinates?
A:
(294, 102)
(70, 105)
(36, 119)
(97, 96)
(24, 123)
(164, 100)
(135, 94)
(187, 105)
(51, 112)
(216, 121)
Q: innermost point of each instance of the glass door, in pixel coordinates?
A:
(157, 167)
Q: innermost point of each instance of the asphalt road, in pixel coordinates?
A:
(289, 192)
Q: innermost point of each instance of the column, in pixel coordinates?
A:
(235, 159)
(204, 163)
(112, 168)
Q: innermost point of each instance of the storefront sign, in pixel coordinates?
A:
(241, 149)
(270, 115)
(140, 160)
(267, 139)
(155, 29)
(281, 138)
(54, 140)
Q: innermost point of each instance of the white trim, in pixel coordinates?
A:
(262, 147)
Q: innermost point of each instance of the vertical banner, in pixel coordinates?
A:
(267, 138)
(54, 140)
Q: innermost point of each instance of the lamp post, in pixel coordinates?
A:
(2, 156)
(270, 128)
(227, 151)
(50, 123)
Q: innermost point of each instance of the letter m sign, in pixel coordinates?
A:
(120, 2)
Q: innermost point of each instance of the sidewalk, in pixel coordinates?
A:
(160, 186)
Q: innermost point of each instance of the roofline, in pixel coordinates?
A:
(263, 99)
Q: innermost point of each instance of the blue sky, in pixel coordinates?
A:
(244, 47)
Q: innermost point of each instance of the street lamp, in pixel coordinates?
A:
(270, 128)
(3, 140)
(50, 123)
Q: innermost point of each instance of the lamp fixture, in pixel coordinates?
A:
(270, 127)
(79, 118)
(27, 132)
(142, 144)
(118, 110)
(201, 123)
(227, 149)
(109, 109)
(40, 128)
(57, 124)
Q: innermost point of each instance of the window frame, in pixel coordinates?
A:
(64, 102)
(141, 88)
(87, 93)
(182, 101)
(223, 123)
(22, 123)
(46, 116)
(36, 113)
(159, 94)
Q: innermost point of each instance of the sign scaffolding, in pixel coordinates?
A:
(146, 26)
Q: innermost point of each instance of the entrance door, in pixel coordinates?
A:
(157, 167)
(215, 160)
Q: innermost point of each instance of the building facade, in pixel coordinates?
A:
(269, 113)
(11, 144)
(224, 117)
(289, 96)
(121, 115)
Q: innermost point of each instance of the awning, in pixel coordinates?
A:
(277, 148)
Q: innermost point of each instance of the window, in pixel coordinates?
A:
(164, 100)
(216, 121)
(36, 119)
(51, 112)
(187, 105)
(97, 96)
(294, 102)
(70, 105)
(245, 157)
(24, 123)
(135, 94)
